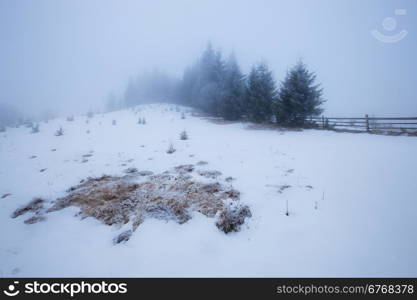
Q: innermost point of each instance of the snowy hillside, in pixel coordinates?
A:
(352, 207)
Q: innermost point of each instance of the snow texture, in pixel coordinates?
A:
(351, 199)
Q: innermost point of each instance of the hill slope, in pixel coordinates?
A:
(351, 198)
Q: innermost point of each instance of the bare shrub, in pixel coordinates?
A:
(59, 132)
(171, 149)
(232, 218)
(183, 135)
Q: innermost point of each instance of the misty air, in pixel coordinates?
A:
(208, 138)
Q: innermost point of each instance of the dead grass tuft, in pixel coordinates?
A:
(232, 218)
(171, 195)
(33, 206)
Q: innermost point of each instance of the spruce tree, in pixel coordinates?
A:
(260, 94)
(299, 97)
(233, 88)
(209, 86)
(188, 84)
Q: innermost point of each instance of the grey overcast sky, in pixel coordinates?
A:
(67, 55)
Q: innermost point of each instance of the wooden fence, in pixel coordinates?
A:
(368, 124)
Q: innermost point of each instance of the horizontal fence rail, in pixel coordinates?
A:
(368, 124)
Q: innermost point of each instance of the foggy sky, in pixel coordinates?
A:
(68, 55)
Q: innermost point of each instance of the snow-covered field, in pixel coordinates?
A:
(352, 200)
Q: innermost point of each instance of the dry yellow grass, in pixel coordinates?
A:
(171, 195)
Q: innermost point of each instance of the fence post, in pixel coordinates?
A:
(367, 123)
(322, 122)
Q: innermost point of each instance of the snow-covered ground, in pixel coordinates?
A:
(352, 200)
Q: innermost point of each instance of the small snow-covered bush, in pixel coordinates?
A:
(59, 132)
(184, 135)
(171, 149)
(183, 115)
(70, 118)
(123, 237)
(2, 128)
(114, 122)
(232, 217)
(140, 121)
(35, 128)
(143, 121)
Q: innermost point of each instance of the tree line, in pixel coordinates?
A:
(217, 86)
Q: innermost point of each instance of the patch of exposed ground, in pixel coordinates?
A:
(171, 195)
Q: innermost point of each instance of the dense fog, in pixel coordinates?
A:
(68, 57)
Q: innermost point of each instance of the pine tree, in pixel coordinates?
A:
(188, 85)
(298, 97)
(260, 94)
(113, 103)
(233, 89)
(211, 79)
